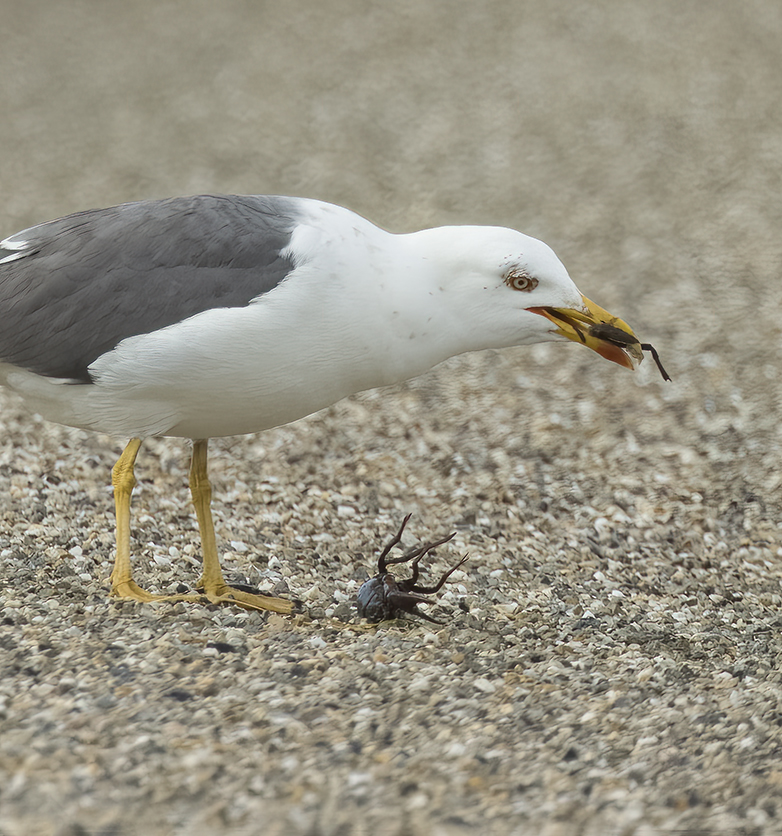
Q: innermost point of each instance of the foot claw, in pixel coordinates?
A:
(130, 590)
(223, 594)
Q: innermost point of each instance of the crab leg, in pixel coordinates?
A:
(381, 561)
(418, 551)
(428, 590)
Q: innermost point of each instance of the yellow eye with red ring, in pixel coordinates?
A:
(521, 280)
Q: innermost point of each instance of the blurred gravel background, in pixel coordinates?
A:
(611, 658)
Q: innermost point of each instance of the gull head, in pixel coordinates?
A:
(502, 288)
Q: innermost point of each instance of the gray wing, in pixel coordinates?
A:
(72, 289)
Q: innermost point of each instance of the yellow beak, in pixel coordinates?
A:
(597, 329)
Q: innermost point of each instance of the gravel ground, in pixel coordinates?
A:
(610, 660)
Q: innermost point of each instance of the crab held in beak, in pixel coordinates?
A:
(599, 330)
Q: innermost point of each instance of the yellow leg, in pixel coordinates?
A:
(124, 480)
(212, 580)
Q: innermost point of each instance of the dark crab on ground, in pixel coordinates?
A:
(383, 596)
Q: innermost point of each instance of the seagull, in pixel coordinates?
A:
(218, 315)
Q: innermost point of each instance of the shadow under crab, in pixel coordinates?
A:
(383, 596)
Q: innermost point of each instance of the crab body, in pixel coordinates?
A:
(383, 596)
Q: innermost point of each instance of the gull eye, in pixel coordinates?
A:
(521, 280)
